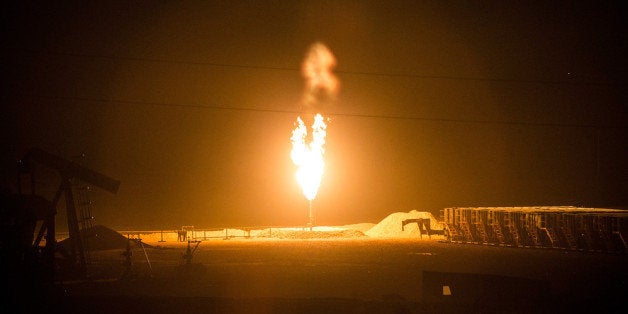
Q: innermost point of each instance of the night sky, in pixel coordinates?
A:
(441, 104)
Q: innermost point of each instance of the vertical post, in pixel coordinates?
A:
(51, 246)
(127, 258)
(311, 216)
(73, 227)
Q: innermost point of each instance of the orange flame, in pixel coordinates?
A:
(309, 156)
(307, 151)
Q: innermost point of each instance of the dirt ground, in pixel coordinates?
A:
(358, 275)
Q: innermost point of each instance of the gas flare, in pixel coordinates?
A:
(309, 156)
(308, 148)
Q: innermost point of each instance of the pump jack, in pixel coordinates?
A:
(46, 210)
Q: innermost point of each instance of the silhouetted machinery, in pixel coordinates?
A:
(28, 218)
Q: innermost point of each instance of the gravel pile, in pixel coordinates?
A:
(300, 234)
(100, 237)
(390, 227)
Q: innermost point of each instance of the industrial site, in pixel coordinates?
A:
(483, 259)
(317, 156)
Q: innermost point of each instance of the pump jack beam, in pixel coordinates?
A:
(68, 170)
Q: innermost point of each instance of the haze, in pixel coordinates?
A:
(443, 104)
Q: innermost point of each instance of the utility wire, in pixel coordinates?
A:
(332, 114)
(358, 73)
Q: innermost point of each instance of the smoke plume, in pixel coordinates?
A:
(321, 85)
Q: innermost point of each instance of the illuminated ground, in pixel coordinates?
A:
(336, 275)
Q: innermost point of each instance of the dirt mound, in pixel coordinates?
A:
(300, 234)
(99, 238)
(363, 227)
(390, 227)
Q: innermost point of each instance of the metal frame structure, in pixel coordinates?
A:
(68, 171)
(558, 227)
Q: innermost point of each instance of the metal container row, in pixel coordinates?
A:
(558, 227)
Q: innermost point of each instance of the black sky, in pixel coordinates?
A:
(442, 104)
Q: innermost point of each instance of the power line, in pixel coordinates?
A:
(353, 115)
(360, 73)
